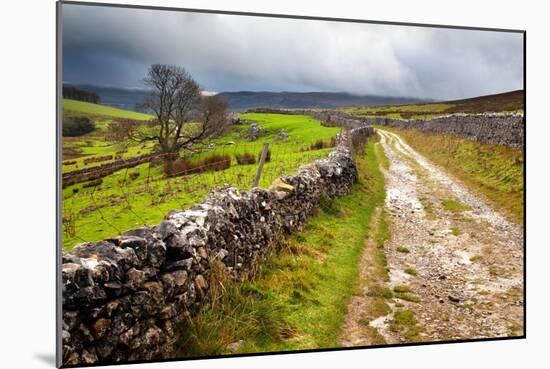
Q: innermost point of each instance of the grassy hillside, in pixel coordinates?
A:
(142, 195)
(78, 150)
(243, 100)
(75, 106)
(509, 101)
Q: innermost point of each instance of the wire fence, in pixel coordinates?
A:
(144, 194)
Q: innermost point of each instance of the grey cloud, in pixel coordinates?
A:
(114, 46)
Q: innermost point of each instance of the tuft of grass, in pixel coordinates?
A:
(407, 297)
(456, 231)
(405, 321)
(403, 249)
(377, 308)
(322, 144)
(374, 336)
(454, 205)
(411, 271)
(401, 289)
(379, 291)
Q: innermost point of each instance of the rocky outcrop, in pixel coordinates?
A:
(493, 128)
(255, 131)
(124, 296)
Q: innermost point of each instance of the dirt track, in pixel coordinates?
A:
(468, 259)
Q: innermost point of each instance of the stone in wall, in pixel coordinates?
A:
(255, 131)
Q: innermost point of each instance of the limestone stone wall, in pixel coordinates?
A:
(124, 296)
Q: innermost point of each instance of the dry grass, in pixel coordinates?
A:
(245, 158)
(211, 163)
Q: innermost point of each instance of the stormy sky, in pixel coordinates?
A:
(114, 47)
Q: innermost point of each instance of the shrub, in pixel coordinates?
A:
(322, 144)
(318, 145)
(212, 163)
(267, 157)
(94, 183)
(97, 159)
(215, 162)
(179, 167)
(245, 158)
(77, 126)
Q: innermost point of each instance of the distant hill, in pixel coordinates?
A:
(123, 98)
(130, 99)
(507, 101)
(242, 100)
(503, 102)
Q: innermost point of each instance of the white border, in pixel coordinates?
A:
(27, 312)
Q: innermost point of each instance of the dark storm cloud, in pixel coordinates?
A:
(114, 46)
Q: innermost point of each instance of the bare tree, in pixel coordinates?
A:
(213, 111)
(176, 102)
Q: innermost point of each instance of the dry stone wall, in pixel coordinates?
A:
(124, 296)
(494, 128)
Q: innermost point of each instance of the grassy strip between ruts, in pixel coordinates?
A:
(494, 170)
(299, 297)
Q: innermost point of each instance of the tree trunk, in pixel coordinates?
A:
(169, 160)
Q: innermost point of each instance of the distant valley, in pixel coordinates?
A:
(130, 99)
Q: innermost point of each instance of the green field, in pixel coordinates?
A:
(94, 144)
(142, 195)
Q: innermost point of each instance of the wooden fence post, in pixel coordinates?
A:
(260, 165)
